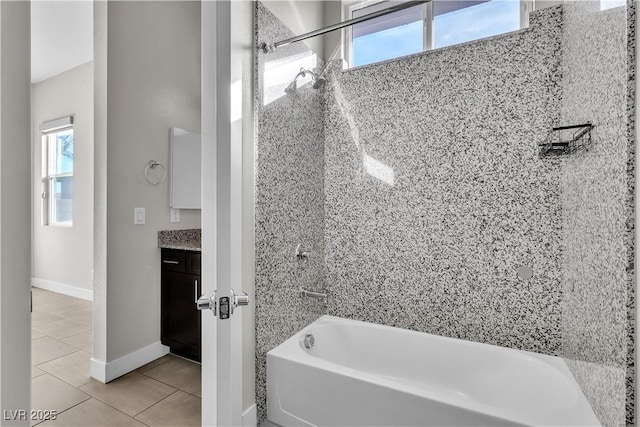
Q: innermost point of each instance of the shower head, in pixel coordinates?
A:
(318, 82)
(293, 86)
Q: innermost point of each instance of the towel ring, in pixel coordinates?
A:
(152, 165)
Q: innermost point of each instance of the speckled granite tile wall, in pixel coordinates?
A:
(593, 200)
(435, 195)
(631, 208)
(289, 195)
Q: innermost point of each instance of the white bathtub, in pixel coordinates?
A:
(361, 374)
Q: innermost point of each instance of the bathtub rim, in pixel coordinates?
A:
(291, 350)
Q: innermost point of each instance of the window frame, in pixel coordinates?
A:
(349, 6)
(47, 130)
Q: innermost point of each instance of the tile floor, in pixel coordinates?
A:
(165, 392)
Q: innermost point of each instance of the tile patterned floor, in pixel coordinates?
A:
(165, 392)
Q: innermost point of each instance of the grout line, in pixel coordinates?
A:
(67, 383)
(147, 370)
(62, 320)
(171, 385)
(113, 407)
(77, 387)
(164, 398)
(64, 410)
(77, 404)
(184, 358)
(83, 332)
(130, 416)
(56, 358)
(106, 404)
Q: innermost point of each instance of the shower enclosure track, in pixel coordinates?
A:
(266, 47)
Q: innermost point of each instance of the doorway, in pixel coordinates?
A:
(128, 316)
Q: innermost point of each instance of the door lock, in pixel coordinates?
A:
(229, 304)
(238, 300)
(207, 303)
(224, 306)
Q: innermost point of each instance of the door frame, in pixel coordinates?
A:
(221, 210)
(15, 213)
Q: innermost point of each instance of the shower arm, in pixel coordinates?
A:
(267, 48)
(303, 73)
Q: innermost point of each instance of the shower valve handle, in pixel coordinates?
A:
(302, 255)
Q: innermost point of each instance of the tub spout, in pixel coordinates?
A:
(313, 294)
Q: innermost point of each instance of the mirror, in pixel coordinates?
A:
(186, 178)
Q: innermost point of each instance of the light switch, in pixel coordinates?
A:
(139, 216)
(175, 215)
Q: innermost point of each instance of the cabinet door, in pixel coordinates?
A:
(180, 318)
(193, 263)
(174, 261)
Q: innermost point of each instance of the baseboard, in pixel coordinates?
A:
(105, 372)
(98, 370)
(61, 288)
(250, 416)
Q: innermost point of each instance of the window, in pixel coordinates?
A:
(431, 25)
(57, 172)
(610, 4)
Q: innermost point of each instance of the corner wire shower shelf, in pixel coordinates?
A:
(565, 140)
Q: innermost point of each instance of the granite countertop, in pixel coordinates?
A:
(187, 240)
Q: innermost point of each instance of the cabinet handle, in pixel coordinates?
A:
(170, 262)
(196, 288)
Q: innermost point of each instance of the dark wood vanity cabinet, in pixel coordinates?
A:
(181, 326)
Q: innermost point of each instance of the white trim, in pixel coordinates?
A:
(526, 7)
(105, 372)
(209, 64)
(56, 124)
(49, 144)
(427, 27)
(250, 417)
(61, 288)
(98, 370)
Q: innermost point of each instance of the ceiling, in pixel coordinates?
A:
(61, 36)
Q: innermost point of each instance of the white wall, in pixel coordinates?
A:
(15, 218)
(300, 17)
(64, 255)
(153, 83)
(332, 12)
(100, 24)
(61, 37)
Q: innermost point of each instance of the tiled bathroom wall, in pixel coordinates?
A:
(631, 208)
(289, 205)
(594, 206)
(435, 195)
